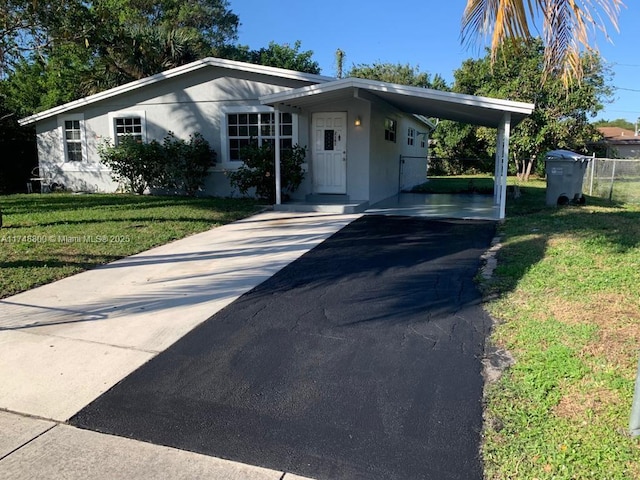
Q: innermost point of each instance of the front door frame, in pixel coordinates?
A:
(329, 178)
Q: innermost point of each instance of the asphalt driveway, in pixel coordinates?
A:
(360, 360)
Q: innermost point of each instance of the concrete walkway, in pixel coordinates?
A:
(64, 344)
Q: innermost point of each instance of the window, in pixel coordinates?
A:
(423, 141)
(130, 124)
(390, 127)
(73, 140)
(128, 127)
(411, 136)
(257, 128)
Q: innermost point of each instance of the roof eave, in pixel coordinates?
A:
(175, 72)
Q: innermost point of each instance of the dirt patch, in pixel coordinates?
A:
(584, 401)
(603, 309)
(618, 319)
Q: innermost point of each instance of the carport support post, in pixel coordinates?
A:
(277, 159)
(502, 164)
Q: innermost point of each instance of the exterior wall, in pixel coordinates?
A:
(385, 159)
(623, 150)
(357, 146)
(87, 176)
(413, 166)
(194, 102)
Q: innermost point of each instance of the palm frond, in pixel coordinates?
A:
(569, 27)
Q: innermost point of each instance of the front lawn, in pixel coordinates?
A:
(48, 237)
(457, 184)
(566, 297)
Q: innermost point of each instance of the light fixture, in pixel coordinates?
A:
(358, 121)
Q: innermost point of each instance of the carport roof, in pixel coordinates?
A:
(471, 109)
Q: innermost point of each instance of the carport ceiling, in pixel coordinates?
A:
(470, 109)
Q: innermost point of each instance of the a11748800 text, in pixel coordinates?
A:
(65, 239)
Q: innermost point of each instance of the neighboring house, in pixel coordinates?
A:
(619, 142)
(359, 133)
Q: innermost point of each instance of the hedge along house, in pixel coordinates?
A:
(357, 131)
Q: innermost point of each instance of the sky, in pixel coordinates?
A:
(422, 33)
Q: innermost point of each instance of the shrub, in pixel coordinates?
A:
(258, 171)
(135, 165)
(187, 162)
(172, 164)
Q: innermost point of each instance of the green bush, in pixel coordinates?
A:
(172, 164)
(258, 171)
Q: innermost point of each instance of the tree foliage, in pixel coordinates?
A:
(398, 73)
(275, 55)
(561, 116)
(618, 122)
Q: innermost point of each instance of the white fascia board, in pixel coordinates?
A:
(307, 91)
(384, 87)
(461, 98)
(426, 121)
(174, 72)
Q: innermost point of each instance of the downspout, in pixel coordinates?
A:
(277, 159)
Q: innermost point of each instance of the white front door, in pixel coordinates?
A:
(329, 154)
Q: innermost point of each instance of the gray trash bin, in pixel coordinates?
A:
(565, 174)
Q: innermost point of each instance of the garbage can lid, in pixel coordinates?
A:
(568, 154)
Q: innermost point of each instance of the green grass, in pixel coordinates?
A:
(48, 237)
(460, 184)
(623, 189)
(567, 301)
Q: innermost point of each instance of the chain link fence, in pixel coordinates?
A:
(614, 178)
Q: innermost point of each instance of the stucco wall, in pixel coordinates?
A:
(357, 145)
(193, 102)
(385, 171)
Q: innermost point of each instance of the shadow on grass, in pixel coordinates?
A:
(95, 261)
(455, 185)
(26, 204)
(530, 224)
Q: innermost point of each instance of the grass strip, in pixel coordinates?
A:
(566, 298)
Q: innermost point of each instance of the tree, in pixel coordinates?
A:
(111, 41)
(275, 55)
(398, 73)
(619, 122)
(568, 28)
(560, 119)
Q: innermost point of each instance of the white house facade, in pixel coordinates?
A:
(366, 140)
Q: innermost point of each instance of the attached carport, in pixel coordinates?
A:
(484, 111)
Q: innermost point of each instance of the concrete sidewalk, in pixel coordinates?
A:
(64, 344)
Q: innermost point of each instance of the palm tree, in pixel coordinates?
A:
(568, 27)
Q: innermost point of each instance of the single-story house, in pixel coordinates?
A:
(619, 142)
(363, 136)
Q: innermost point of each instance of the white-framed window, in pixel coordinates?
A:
(132, 124)
(390, 129)
(74, 142)
(411, 136)
(255, 125)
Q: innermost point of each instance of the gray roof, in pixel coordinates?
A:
(471, 109)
